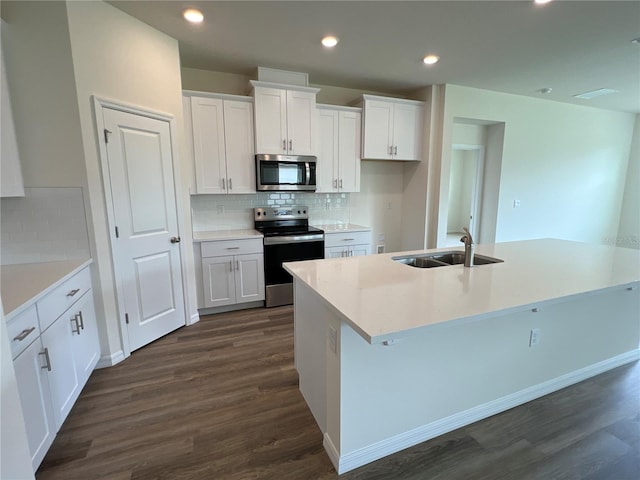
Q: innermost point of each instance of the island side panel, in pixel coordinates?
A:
(437, 380)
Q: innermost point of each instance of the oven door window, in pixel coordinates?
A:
(283, 173)
(275, 255)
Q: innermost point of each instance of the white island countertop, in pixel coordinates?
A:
(342, 228)
(23, 284)
(382, 299)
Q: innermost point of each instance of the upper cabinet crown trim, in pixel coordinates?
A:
(323, 106)
(221, 96)
(392, 99)
(281, 86)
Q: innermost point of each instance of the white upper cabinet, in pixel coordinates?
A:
(392, 128)
(285, 119)
(10, 173)
(338, 149)
(222, 133)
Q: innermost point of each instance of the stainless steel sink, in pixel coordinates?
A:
(443, 259)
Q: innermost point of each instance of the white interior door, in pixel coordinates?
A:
(145, 249)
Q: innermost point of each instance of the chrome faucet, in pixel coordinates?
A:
(469, 247)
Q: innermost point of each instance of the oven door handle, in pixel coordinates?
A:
(293, 239)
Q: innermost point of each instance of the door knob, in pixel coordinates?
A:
(175, 239)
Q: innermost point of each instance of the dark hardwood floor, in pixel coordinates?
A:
(219, 400)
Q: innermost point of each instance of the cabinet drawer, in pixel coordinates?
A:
(231, 247)
(23, 329)
(55, 303)
(346, 238)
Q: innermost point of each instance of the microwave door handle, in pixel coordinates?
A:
(308, 169)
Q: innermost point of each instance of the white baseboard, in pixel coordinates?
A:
(431, 430)
(110, 360)
(195, 318)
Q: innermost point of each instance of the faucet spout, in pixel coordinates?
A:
(469, 248)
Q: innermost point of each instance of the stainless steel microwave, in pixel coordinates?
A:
(285, 173)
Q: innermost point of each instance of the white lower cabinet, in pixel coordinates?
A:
(347, 244)
(230, 279)
(52, 370)
(35, 399)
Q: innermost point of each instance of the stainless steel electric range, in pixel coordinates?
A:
(287, 238)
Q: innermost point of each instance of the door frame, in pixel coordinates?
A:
(99, 103)
(476, 207)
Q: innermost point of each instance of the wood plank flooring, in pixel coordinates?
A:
(219, 400)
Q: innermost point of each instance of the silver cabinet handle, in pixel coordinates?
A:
(284, 145)
(233, 248)
(46, 356)
(290, 145)
(390, 149)
(237, 264)
(348, 239)
(335, 183)
(231, 265)
(395, 150)
(230, 184)
(175, 239)
(24, 334)
(75, 319)
(81, 319)
(223, 186)
(340, 183)
(73, 292)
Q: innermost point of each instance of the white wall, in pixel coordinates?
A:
(119, 58)
(629, 229)
(565, 163)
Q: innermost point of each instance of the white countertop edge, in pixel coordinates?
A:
(20, 308)
(215, 235)
(378, 339)
(343, 228)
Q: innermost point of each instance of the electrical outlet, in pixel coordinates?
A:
(380, 248)
(516, 203)
(534, 337)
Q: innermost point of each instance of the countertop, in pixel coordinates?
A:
(23, 284)
(383, 299)
(345, 227)
(213, 235)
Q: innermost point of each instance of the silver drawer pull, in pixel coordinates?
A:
(24, 334)
(75, 319)
(81, 319)
(348, 239)
(46, 356)
(73, 292)
(233, 248)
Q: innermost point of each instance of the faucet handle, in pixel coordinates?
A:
(467, 237)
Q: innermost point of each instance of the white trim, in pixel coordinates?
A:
(195, 318)
(332, 452)
(282, 86)
(110, 360)
(406, 101)
(431, 430)
(223, 96)
(341, 108)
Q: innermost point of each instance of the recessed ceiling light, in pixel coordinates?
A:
(192, 15)
(329, 41)
(545, 90)
(541, 2)
(431, 59)
(596, 93)
(636, 41)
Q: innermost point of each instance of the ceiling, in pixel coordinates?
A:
(507, 46)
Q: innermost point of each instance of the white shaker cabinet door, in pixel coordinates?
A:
(86, 347)
(271, 120)
(249, 276)
(33, 388)
(58, 343)
(327, 166)
(301, 122)
(378, 132)
(359, 250)
(218, 277)
(407, 130)
(239, 153)
(207, 116)
(349, 152)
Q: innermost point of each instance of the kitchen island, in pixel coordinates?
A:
(390, 355)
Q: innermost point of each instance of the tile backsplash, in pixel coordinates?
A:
(47, 224)
(230, 212)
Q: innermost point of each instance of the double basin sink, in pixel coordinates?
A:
(443, 259)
